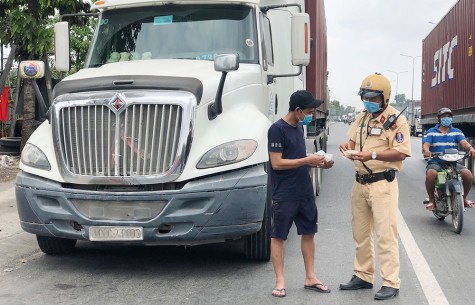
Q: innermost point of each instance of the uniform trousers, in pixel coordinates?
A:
(374, 208)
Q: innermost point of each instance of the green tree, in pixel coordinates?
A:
(400, 100)
(336, 108)
(349, 109)
(27, 25)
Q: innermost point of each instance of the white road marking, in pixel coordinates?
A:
(429, 284)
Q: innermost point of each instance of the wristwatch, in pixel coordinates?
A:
(373, 155)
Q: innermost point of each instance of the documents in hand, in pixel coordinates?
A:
(348, 153)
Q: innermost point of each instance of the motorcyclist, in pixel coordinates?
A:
(440, 137)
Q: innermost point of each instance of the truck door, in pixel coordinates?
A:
(268, 66)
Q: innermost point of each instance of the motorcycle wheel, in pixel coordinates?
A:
(457, 212)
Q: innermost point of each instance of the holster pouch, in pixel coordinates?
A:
(390, 174)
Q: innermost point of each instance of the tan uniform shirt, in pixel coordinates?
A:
(375, 138)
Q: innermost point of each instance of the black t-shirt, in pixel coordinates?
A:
(290, 184)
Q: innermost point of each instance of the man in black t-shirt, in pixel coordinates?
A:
(293, 195)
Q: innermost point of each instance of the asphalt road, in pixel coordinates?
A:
(436, 266)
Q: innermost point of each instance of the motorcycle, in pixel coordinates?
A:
(449, 188)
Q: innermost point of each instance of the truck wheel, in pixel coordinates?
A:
(10, 146)
(55, 245)
(257, 245)
(10, 142)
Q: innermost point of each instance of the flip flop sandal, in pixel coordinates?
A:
(281, 293)
(318, 287)
(430, 206)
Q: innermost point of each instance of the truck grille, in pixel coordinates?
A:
(117, 139)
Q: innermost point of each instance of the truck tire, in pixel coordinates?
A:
(10, 146)
(257, 245)
(10, 142)
(55, 245)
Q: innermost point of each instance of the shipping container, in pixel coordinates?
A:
(448, 63)
(448, 70)
(317, 75)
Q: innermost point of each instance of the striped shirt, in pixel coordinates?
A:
(441, 141)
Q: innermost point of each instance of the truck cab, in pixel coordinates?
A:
(417, 129)
(162, 137)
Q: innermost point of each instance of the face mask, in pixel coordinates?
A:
(446, 122)
(306, 120)
(371, 107)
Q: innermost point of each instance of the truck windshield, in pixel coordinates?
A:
(197, 32)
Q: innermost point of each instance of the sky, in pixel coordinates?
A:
(368, 36)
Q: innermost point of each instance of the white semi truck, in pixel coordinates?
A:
(162, 138)
(414, 117)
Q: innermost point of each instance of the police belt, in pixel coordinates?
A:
(370, 178)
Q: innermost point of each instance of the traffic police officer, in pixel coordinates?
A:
(379, 140)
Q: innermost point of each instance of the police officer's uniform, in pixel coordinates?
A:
(374, 198)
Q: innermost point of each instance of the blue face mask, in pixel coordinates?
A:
(446, 122)
(371, 107)
(306, 120)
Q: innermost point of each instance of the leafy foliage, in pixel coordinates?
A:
(400, 100)
(336, 108)
(28, 24)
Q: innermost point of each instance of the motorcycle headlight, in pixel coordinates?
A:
(34, 157)
(228, 153)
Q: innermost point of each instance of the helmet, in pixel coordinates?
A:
(374, 85)
(444, 111)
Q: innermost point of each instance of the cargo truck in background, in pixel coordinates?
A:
(448, 71)
(162, 138)
(414, 117)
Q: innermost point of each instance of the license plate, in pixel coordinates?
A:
(106, 233)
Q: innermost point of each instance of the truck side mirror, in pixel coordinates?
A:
(61, 46)
(32, 69)
(300, 39)
(222, 63)
(226, 62)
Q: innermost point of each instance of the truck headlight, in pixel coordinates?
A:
(228, 153)
(34, 157)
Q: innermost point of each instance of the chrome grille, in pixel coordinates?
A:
(123, 135)
(87, 134)
(148, 139)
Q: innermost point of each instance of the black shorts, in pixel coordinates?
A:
(438, 168)
(303, 212)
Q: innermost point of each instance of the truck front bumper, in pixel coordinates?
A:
(212, 209)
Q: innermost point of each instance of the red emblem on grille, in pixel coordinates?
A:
(118, 103)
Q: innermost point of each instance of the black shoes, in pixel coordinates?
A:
(386, 293)
(356, 283)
